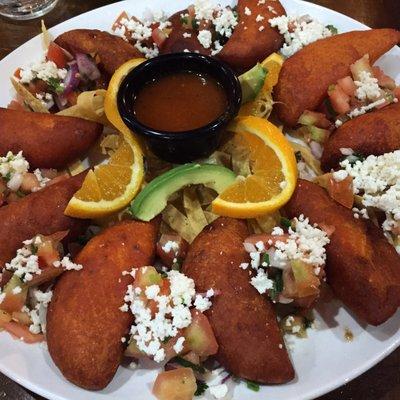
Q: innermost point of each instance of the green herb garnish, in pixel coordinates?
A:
(277, 286)
(195, 24)
(163, 274)
(265, 258)
(298, 156)
(255, 387)
(188, 364)
(55, 85)
(333, 29)
(285, 222)
(184, 20)
(7, 177)
(201, 387)
(166, 340)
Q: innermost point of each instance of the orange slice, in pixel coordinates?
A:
(273, 171)
(110, 187)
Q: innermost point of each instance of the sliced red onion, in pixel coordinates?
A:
(87, 67)
(71, 81)
(61, 101)
(316, 149)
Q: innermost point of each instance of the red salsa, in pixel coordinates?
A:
(180, 102)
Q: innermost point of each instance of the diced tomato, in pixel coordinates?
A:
(56, 54)
(165, 290)
(49, 173)
(158, 36)
(348, 85)
(22, 332)
(168, 257)
(117, 22)
(192, 357)
(339, 99)
(13, 302)
(342, 191)
(384, 80)
(29, 183)
(47, 254)
(17, 73)
(37, 86)
(169, 347)
(314, 118)
(147, 276)
(72, 98)
(361, 65)
(200, 336)
(267, 239)
(16, 105)
(177, 384)
(22, 318)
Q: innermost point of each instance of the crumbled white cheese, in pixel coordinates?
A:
(26, 264)
(43, 181)
(247, 11)
(364, 109)
(178, 346)
(346, 151)
(187, 35)
(40, 302)
(261, 281)
(17, 290)
(261, 28)
(205, 38)
(67, 264)
(367, 87)
(13, 167)
(44, 70)
(340, 175)
(219, 391)
(173, 313)
(377, 181)
(171, 246)
(259, 18)
(298, 32)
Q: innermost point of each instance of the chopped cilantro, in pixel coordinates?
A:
(265, 258)
(277, 286)
(333, 29)
(298, 155)
(20, 194)
(7, 177)
(34, 249)
(195, 24)
(255, 387)
(201, 387)
(188, 364)
(184, 20)
(177, 265)
(163, 274)
(285, 222)
(55, 85)
(308, 323)
(166, 340)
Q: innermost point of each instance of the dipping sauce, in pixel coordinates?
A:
(180, 102)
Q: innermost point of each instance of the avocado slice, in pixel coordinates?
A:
(153, 198)
(252, 81)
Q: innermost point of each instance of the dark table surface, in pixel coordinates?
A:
(381, 382)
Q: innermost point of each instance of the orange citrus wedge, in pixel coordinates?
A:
(110, 187)
(110, 102)
(273, 171)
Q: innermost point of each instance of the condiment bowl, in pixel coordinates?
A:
(186, 146)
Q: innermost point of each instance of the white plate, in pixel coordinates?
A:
(323, 362)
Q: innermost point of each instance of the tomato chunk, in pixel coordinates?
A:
(178, 384)
(339, 99)
(22, 332)
(348, 85)
(199, 336)
(56, 54)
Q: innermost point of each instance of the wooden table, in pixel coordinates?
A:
(381, 382)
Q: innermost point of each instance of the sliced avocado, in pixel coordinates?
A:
(153, 198)
(252, 81)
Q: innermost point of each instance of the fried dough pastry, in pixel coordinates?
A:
(306, 76)
(84, 322)
(112, 50)
(374, 133)
(245, 326)
(248, 44)
(176, 43)
(46, 140)
(362, 268)
(40, 212)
